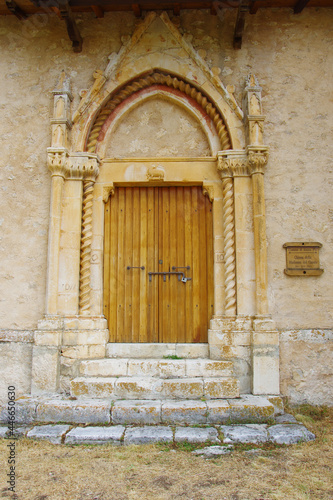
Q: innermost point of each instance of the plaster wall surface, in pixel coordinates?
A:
(292, 59)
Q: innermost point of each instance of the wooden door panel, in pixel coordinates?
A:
(158, 228)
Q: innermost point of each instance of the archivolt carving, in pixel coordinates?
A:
(169, 81)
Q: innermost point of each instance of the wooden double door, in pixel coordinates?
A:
(158, 264)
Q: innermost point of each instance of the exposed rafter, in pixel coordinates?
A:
(300, 6)
(72, 29)
(16, 10)
(240, 23)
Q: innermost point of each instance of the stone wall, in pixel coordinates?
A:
(306, 360)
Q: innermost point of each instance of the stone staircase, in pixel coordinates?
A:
(147, 375)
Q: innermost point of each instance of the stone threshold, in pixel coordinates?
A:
(57, 409)
(221, 438)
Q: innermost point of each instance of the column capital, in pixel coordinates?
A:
(232, 163)
(57, 161)
(83, 166)
(257, 159)
(79, 166)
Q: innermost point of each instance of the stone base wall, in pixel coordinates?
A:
(306, 360)
(15, 361)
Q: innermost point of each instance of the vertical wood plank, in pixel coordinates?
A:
(173, 283)
(120, 334)
(181, 262)
(128, 261)
(143, 277)
(113, 283)
(106, 275)
(135, 273)
(210, 264)
(203, 304)
(196, 266)
(189, 262)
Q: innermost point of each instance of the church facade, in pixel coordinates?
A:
(166, 200)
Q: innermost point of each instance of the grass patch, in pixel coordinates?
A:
(171, 356)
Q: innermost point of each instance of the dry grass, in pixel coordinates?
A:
(58, 472)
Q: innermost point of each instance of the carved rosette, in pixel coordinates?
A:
(257, 158)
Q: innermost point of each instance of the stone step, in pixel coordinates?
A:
(150, 388)
(156, 350)
(247, 408)
(161, 368)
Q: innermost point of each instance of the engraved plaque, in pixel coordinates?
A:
(303, 259)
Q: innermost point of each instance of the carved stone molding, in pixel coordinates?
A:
(258, 157)
(232, 163)
(208, 190)
(107, 192)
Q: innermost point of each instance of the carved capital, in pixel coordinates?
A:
(83, 166)
(57, 161)
(258, 157)
(80, 166)
(232, 163)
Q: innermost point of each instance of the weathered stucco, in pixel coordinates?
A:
(149, 130)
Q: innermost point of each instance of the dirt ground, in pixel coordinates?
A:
(163, 472)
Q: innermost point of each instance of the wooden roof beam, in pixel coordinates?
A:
(299, 6)
(72, 29)
(97, 9)
(16, 10)
(136, 9)
(240, 23)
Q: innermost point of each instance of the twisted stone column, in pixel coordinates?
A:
(229, 246)
(86, 239)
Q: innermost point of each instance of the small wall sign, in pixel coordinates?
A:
(303, 259)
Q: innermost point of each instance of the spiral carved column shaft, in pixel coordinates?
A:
(86, 239)
(229, 246)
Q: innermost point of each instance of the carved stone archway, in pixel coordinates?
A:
(241, 329)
